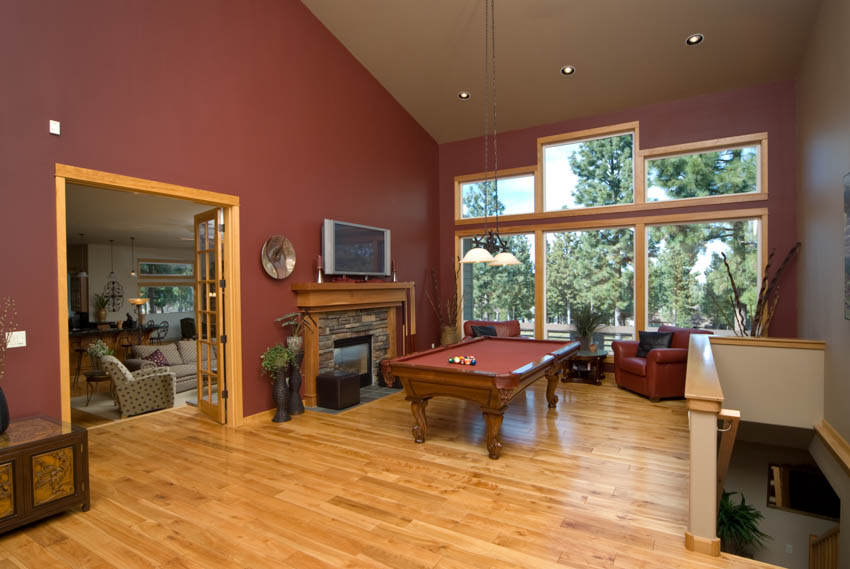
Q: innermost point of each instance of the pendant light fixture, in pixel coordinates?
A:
(490, 247)
(133, 257)
(82, 274)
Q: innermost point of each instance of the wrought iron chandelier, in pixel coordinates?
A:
(490, 247)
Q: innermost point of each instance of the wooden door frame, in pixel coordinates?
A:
(232, 302)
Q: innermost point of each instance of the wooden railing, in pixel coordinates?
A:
(823, 550)
(708, 466)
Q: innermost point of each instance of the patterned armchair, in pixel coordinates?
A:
(144, 390)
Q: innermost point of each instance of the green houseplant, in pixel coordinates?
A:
(738, 526)
(275, 362)
(100, 302)
(97, 350)
(587, 321)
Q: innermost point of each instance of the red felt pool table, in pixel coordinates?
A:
(504, 368)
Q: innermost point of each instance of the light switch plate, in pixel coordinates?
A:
(55, 127)
(789, 548)
(17, 339)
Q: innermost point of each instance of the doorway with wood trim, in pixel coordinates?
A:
(217, 304)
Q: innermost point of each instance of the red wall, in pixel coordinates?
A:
(767, 108)
(253, 98)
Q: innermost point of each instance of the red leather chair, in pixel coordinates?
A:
(661, 373)
(505, 329)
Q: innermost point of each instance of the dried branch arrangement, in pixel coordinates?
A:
(8, 324)
(448, 309)
(758, 324)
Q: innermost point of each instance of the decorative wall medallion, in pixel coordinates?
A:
(7, 490)
(114, 293)
(278, 257)
(52, 475)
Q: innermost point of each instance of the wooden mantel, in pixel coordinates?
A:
(398, 298)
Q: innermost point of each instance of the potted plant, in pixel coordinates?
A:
(275, 362)
(587, 321)
(100, 302)
(296, 321)
(8, 325)
(738, 526)
(97, 350)
(445, 310)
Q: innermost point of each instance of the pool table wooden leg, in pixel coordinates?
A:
(493, 419)
(420, 429)
(552, 377)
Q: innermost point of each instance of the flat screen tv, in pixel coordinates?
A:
(352, 249)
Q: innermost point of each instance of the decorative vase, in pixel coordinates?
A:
(594, 348)
(4, 413)
(295, 343)
(281, 397)
(448, 335)
(296, 406)
(584, 343)
(101, 315)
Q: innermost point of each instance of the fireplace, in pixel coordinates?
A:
(354, 355)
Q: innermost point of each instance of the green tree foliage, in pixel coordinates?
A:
(708, 174)
(604, 170)
(177, 298)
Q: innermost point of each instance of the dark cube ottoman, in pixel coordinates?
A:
(337, 389)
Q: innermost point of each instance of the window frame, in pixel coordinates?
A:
(479, 177)
(191, 262)
(147, 284)
(758, 139)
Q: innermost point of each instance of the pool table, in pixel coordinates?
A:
(504, 368)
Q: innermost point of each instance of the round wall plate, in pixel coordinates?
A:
(278, 257)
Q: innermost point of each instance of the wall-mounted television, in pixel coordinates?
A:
(352, 249)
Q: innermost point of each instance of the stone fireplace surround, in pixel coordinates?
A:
(351, 324)
(395, 301)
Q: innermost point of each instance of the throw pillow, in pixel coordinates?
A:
(478, 331)
(158, 358)
(652, 340)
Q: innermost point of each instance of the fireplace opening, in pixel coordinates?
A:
(354, 355)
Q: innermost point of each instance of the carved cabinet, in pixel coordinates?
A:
(43, 470)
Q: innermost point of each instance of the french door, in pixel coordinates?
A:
(209, 314)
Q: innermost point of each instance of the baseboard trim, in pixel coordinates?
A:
(708, 546)
(261, 417)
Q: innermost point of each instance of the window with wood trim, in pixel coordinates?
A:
(593, 268)
(516, 196)
(501, 293)
(589, 173)
(703, 174)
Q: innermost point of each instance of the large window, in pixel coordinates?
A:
(159, 269)
(165, 298)
(501, 293)
(593, 268)
(516, 196)
(588, 173)
(704, 174)
(688, 281)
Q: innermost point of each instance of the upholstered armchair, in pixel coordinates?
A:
(661, 374)
(147, 389)
(505, 329)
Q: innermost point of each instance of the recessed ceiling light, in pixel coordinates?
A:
(568, 70)
(463, 95)
(694, 39)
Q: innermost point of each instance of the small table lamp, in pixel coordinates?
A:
(139, 302)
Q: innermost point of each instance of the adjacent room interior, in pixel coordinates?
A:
(283, 289)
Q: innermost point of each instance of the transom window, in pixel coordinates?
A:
(159, 268)
(589, 173)
(703, 174)
(516, 196)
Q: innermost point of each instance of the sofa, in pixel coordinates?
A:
(661, 374)
(147, 389)
(182, 359)
(504, 329)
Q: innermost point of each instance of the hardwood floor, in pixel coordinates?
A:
(599, 482)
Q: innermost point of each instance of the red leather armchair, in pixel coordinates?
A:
(505, 329)
(661, 373)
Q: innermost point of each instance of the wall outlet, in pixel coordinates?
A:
(55, 127)
(17, 339)
(789, 549)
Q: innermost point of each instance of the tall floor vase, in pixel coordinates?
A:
(4, 412)
(296, 406)
(281, 397)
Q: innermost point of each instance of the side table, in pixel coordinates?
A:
(93, 379)
(44, 470)
(586, 366)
